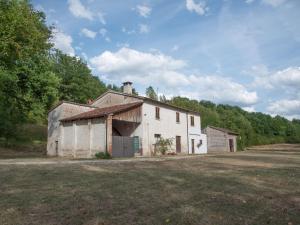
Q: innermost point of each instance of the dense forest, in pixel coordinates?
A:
(34, 76)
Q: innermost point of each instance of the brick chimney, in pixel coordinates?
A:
(127, 87)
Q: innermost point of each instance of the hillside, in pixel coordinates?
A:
(255, 128)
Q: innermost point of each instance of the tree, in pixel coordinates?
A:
(162, 98)
(28, 87)
(77, 82)
(150, 93)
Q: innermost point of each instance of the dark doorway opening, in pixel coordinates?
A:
(193, 146)
(178, 144)
(231, 146)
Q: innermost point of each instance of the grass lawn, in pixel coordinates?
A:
(252, 187)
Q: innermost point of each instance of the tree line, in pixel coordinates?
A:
(34, 76)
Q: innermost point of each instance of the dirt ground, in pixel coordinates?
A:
(258, 186)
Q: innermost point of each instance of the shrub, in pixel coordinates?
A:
(163, 145)
(103, 155)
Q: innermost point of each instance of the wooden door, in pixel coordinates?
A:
(178, 144)
(231, 146)
(193, 146)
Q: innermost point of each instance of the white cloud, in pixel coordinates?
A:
(63, 42)
(130, 61)
(273, 3)
(285, 108)
(289, 77)
(156, 68)
(199, 8)
(101, 18)
(84, 55)
(103, 33)
(143, 28)
(79, 10)
(287, 80)
(125, 30)
(249, 1)
(143, 10)
(249, 108)
(89, 33)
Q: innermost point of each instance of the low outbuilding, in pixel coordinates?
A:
(220, 139)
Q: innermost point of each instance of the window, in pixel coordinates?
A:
(192, 121)
(157, 116)
(177, 117)
(157, 137)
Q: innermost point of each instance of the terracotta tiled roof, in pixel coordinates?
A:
(100, 112)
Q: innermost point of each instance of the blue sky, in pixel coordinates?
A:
(238, 52)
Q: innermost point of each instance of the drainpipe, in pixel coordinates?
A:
(106, 149)
(187, 132)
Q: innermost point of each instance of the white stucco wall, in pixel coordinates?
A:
(195, 133)
(166, 126)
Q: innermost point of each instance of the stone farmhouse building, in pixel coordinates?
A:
(123, 124)
(220, 139)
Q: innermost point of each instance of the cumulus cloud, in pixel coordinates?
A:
(199, 8)
(89, 33)
(79, 10)
(63, 42)
(143, 10)
(143, 28)
(285, 108)
(286, 80)
(159, 69)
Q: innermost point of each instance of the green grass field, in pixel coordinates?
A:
(253, 187)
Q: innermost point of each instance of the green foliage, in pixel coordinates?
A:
(103, 155)
(28, 86)
(150, 93)
(23, 32)
(32, 76)
(162, 145)
(77, 82)
(254, 128)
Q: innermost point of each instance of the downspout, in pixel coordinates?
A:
(106, 146)
(187, 132)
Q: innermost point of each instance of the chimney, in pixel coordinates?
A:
(127, 87)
